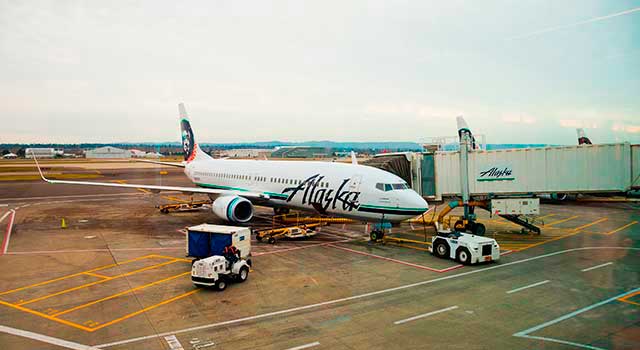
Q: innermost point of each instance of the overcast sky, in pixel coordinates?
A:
(519, 71)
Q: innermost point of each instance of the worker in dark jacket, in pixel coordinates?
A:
(231, 253)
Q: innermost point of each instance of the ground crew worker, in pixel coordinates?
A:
(231, 253)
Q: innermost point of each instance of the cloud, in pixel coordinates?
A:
(618, 126)
(577, 123)
(565, 26)
(412, 109)
(518, 119)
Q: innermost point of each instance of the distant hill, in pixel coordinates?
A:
(379, 146)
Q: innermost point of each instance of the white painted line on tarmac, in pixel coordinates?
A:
(4, 205)
(525, 333)
(72, 196)
(396, 260)
(39, 252)
(45, 338)
(527, 287)
(174, 343)
(305, 346)
(597, 267)
(354, 297)
(426, 315)
(4, 216)
(7, 235)
(297, 248)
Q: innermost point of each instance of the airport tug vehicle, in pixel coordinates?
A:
(217, 271)
(464, 247)
(221, 254)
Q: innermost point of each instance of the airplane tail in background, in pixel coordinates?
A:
(191, 149)
(582, 138)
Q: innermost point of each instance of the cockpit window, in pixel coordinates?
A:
(391, 187)
(400, 186)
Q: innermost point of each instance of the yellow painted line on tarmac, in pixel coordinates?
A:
(545, 216)
(589, 224)
(96, 282)
(561, 221)
(120, 294)
(621, 228)
(74, 275)
(49, 317)
(625, 299)
(572, 232)
(409, 246)
(95, 275)
(139, 189)
(175, 199)
(171, 258)
(145, 309)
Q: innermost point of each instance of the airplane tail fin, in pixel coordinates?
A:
(191, 149)
(582, 138)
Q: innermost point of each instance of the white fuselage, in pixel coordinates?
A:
(348, 190)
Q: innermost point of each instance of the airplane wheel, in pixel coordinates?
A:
(376, 235)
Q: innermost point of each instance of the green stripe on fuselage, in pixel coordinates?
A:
(391, 208)
(220, 187)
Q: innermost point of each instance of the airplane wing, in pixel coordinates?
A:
(155, 188)
(179, 165)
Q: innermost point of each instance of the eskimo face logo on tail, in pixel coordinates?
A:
(324, 198)
(188, 145)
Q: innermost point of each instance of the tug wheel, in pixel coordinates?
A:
(243, 274)
(464, 256)
(441, 249)
(221, 284)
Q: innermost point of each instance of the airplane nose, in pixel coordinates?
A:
(417, 201)
(421, 202)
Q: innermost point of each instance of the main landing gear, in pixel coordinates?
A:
(376, 235)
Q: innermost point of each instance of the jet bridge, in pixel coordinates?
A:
(481, 176)
(602, 168)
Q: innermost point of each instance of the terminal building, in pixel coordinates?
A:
(107, 152)
(301, 152)
(42, 152)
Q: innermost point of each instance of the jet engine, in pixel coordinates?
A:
(233, 208)
(558, 197)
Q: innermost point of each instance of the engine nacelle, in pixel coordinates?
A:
(558, 197)
(233, 208)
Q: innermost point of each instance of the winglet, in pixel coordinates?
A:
(38, 166)
(354, 160)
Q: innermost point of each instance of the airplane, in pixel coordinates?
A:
(354, 191)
